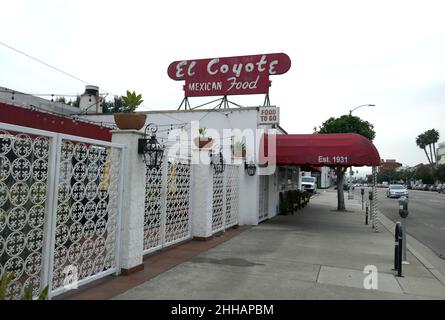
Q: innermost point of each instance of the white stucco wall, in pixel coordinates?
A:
(218, 119)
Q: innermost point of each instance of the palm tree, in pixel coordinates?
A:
(421, 142)
(433, 137)
(428, 142)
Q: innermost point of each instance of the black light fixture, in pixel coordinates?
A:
(250, 168)
(218, 164)
(150, 148)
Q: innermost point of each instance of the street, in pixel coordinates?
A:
(426, 219)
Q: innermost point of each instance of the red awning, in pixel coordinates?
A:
(336, 149)
(310, 168)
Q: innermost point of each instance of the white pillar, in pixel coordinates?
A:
(133, 203)
(202, 195)
(249, 198)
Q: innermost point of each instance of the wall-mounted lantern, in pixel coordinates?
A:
(150, 148)
(250, 168)
(217, 161)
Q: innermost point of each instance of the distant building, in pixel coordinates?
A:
(324, 177)
(389, 164)
(403, 168)
(441, 153)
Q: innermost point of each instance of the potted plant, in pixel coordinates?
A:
(239, 149)
(202, 141)
(128, 118)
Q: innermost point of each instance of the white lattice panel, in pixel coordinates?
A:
(232, 195)
(87, 211)
(23, 198)
(167, 205)
(177, 222)
(153, 209)
(218, 202)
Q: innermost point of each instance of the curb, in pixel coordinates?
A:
(389, 226)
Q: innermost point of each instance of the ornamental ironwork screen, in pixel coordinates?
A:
(24, 162)
(87, 211)
(59, 209)
(167, 204)
(225, 207)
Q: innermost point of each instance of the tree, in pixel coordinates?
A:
(127, 103)
(433, 137)
(428, 139)
(117, 105)
(345, 124)
(440, 173)
(421, 142)
(75, 103)
(388, 175)
(61, 100)
(425, 173)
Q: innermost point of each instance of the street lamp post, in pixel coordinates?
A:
(350, 194)
(363, 105)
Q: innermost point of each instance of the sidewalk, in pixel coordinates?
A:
(317, 253)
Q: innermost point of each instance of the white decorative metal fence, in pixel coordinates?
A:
(24, 199)
(87, 210)
(59, 209)
(225, 208)
(218, 204)
(167, 204)
(153, 210)
(232, 195)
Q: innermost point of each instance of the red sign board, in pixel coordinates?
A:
(229, 76)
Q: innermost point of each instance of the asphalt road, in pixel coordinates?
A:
(426, 219)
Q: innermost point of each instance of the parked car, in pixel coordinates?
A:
(309, 184)
(396, 191)
(441, 188)
(426, 187)
(433, 187)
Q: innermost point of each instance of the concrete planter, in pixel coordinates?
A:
(203, 142)
(239, 153)
(130, 120)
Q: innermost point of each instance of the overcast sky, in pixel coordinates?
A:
(344, 54)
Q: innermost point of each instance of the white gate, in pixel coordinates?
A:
(225, 207)
(167, 205)
(59, 209)
(264, 198)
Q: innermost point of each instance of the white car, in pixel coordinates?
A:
(309, 184)
(396, 191)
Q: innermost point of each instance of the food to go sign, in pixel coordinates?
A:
(268, 115)
(229, 76)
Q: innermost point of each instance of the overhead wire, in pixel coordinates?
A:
(43, 62)
(88, 83)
